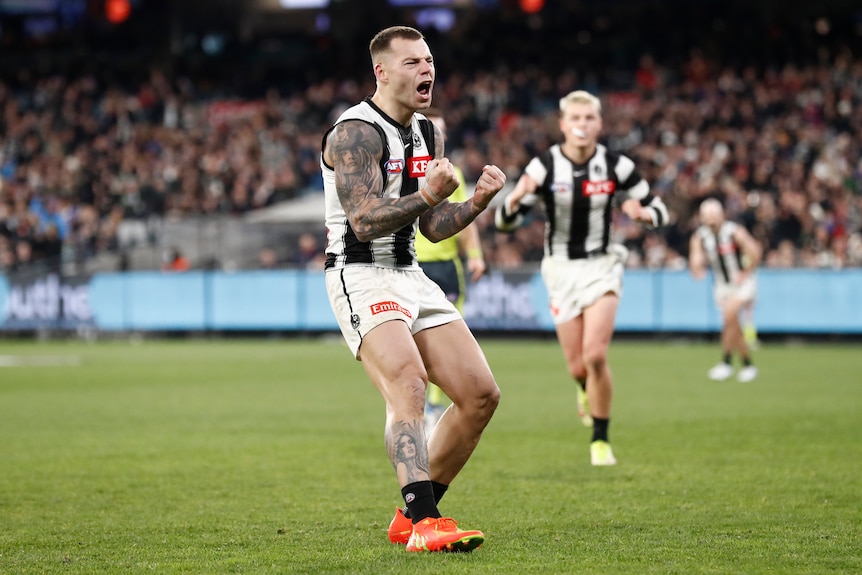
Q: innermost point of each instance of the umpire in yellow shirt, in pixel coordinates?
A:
(442, 264)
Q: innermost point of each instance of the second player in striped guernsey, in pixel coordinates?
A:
(579, 182)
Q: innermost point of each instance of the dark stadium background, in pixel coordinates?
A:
(252, 45)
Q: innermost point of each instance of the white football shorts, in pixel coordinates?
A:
(745, 292)
(363, 297)
(574, 285)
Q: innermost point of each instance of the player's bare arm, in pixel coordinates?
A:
(696, 259)
(447, 219)
(750, 249)
(354, 150)
(526, 185)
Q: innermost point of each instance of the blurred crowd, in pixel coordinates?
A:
(88, 167)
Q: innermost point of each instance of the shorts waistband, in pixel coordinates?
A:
(597, 253)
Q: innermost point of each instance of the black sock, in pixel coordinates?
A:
(727, 358)
(419, 497)
(746, 361)
(600, 429)
(439, 490)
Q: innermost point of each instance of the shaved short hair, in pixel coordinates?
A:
(711, 207)
(383, 39)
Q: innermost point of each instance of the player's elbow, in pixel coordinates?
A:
(430, 233)
(363, 231)
(505, 222)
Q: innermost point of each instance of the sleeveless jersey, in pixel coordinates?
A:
(722, 252)
(406, 153)
(578, 199)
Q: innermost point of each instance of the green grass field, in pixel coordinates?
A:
(266, 457)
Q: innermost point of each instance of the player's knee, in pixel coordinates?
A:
(487, 398)
(409, 396)
(578, 371)
(595, 360)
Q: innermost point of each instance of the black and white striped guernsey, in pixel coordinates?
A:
(406, 153)
(722, 251)
(579, 199)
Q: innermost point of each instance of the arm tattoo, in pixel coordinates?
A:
(447, 219)
(408, 452)
(355, 149)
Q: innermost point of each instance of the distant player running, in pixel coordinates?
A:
(733, 254)
(579, 183)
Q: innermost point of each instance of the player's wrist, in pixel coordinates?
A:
(429, 197)
(475, 253)
(479, 207)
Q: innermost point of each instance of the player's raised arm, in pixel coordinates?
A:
(449, 218)
(510, 214)
(354, 149)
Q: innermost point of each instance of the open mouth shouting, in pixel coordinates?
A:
(424, 90)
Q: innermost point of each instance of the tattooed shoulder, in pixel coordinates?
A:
(354, 150)
(349, 141)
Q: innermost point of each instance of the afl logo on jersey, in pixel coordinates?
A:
(561, 188)
(395, 166)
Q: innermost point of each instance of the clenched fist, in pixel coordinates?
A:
(489, 183)
(440, 178)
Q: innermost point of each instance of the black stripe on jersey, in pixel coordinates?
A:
(721, 263)
(659, 218)
(355, 251)
(427, 129)
(547, 195)
(409, 186)
(579, 227)
(612, 160)
(629, 182)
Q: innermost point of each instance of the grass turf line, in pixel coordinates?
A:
(267, 457)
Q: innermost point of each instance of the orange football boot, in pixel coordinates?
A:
(400, 528)
(442, 534)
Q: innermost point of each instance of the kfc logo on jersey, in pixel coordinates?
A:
(418, 165)
(725, 248)
(600, 188)
(385, 306)
(395, 166)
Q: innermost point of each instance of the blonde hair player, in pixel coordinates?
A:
(579, 182)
